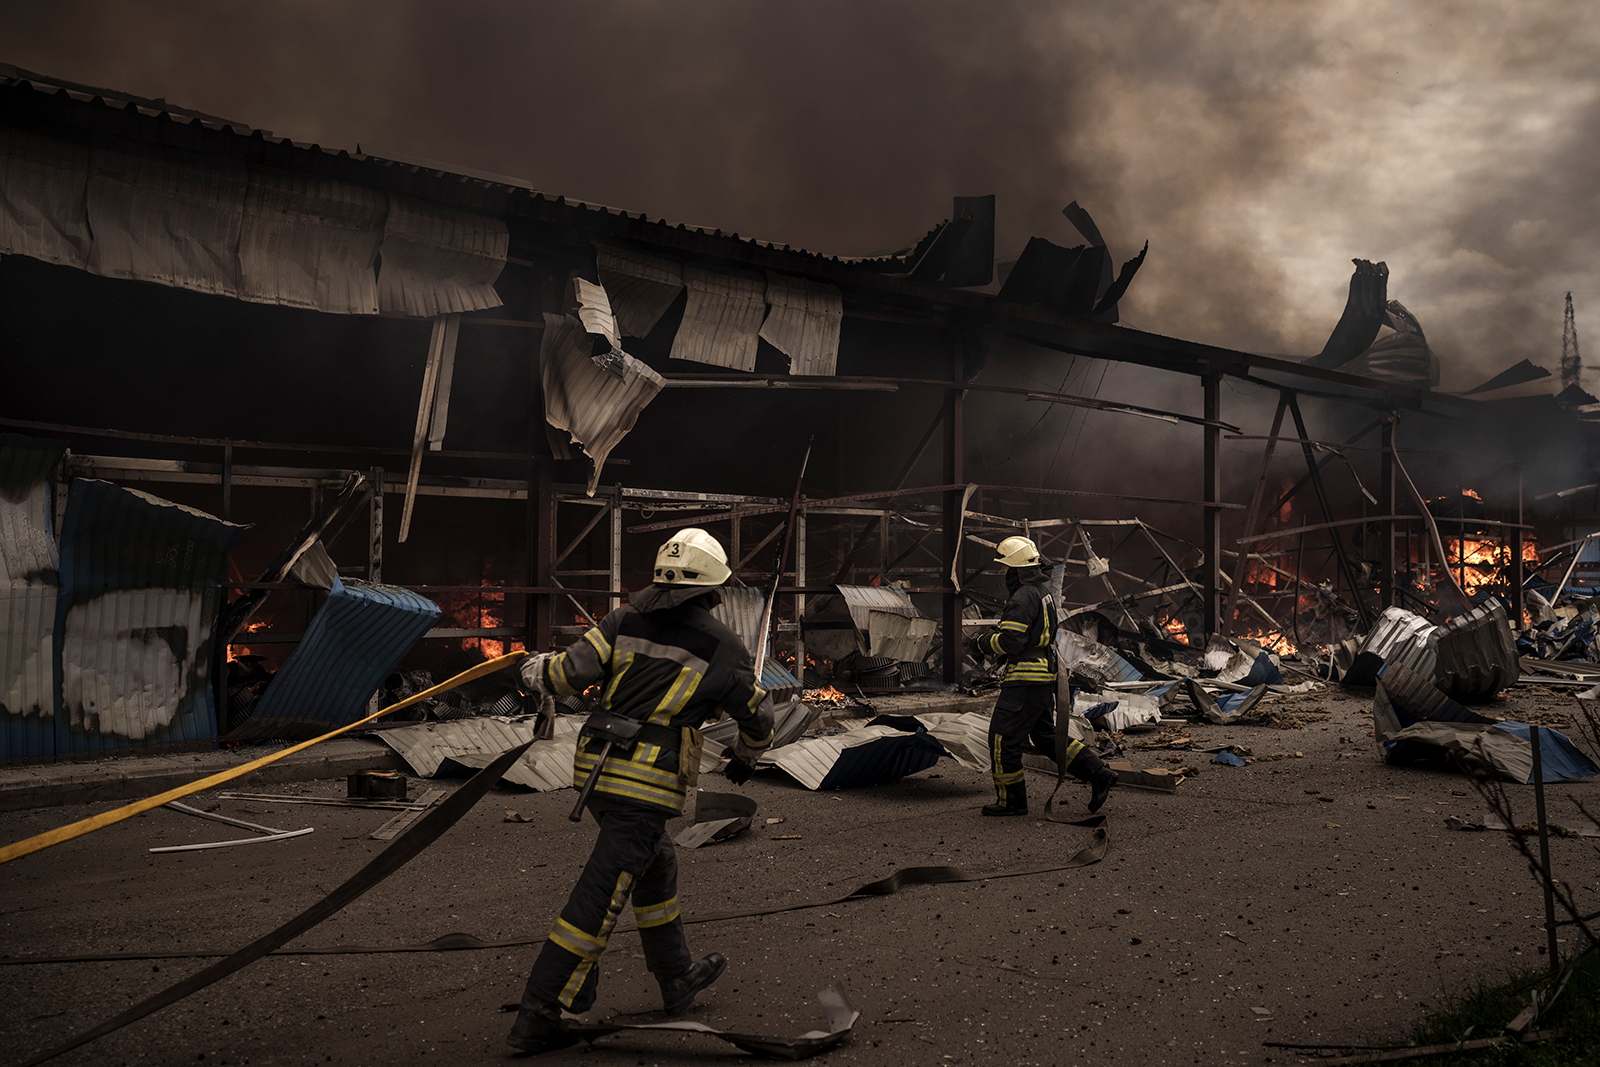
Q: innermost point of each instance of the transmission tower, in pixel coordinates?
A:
(1571, 363)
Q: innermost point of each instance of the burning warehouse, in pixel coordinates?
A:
(293, 434)
(384, 371)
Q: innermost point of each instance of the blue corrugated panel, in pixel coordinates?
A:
(357, 638)
(135, 619)
(29, 584)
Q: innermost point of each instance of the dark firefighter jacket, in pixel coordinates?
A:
(1027, 630)
(663, 660)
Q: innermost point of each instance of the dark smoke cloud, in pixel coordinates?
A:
(1258, 146)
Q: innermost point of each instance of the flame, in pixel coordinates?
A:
(1272, 641)
(480, 608)
(825, 695)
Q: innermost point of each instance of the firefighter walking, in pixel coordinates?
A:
(1025, 710)
(665, 665)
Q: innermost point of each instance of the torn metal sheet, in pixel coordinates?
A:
(872, 755)
(1095, 663)
(1519, 373)
(30, 584)
(437, 260)
(804, 323)
(315, 568)
(473, 743)
(740, 609)
(1061, 279)
(1402, 356)
(1414, 723)
(641, 287)
(594, 311)
(1477, 656)
(446, 331)
(722, 319)
(134, 624)
(1398, 636)
(896, 637)
(354, 642)
(595, 407)
(1118, 711)
(840, 1018)
(717, 817)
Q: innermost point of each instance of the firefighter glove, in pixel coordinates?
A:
(738, 771)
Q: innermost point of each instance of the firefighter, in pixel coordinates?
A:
(1026, 707)
(665, 665)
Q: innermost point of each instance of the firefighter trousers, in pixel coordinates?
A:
(1023, 714)
(633, 858)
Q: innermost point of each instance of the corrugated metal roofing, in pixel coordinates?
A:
(29, 587)
(1476, 654)
(865, 599)
(740, 611)
(872, 755)
(894, 636)
(475, 743)
(804, 322)
(1405, 638)
(596, 407)
(642, 287)
(722, 318)
(356, 639)
(214, 224)
(135, 619)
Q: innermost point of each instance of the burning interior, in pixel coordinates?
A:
(323, 373)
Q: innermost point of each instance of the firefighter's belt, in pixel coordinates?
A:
(624, 733)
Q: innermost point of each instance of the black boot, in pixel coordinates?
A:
(1087, 767)
(539, 1028)
(1016, 801)
(677, 994)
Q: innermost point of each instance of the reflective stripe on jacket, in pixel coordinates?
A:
(1027, 631)
(663, 659)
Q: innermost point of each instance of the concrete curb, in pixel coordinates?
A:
(50, 785)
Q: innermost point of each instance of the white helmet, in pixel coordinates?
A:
(692, 557)
(1017, 552)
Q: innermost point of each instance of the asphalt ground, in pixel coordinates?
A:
(1302, 900)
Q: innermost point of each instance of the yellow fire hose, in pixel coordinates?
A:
(88, 826)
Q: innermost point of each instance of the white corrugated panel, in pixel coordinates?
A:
(42, 212)
(1405, 638)
(594, 311)
(310, 243)
(722, 319)
(804, 322)
(641, 287)
(965, 737)
(28, 592)
(741, 610)
(596, 407)
(164, 219)
(808, 762)
(475, 743)
(865, 599)
(126, 656)
(437, 260)
(895, 636)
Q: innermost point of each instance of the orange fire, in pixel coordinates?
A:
(1272, 641)
(481, 608)
(826, 695)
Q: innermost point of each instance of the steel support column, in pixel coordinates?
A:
(1211, 582)
(954, 474)
(1387, 562)
(1514, 569)
(375, 526)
